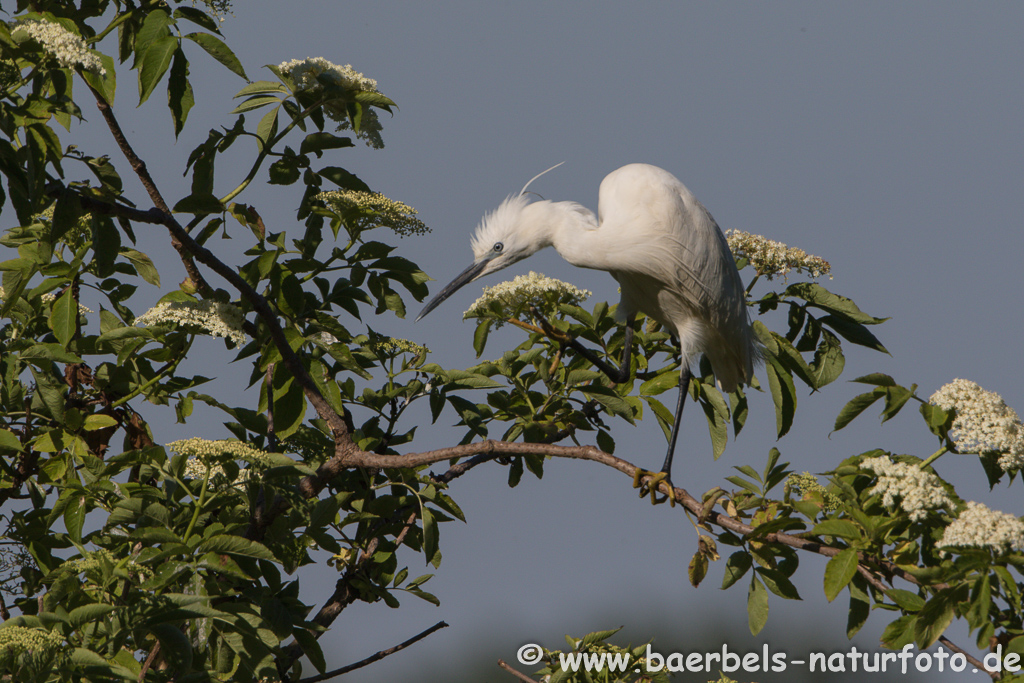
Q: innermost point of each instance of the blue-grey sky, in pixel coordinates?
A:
(883, 137)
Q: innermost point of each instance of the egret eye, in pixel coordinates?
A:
(498, 246)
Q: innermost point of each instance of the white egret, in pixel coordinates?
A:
(669, 256)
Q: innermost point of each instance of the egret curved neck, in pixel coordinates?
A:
(571, 229)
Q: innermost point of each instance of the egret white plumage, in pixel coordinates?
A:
(670, 258)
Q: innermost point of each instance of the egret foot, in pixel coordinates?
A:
(652, 484)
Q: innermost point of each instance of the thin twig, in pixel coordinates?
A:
(975, 662)
(375, 657)
(518, 674)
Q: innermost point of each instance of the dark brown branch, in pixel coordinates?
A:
(375, 657)
(975, 662)
(189, 249)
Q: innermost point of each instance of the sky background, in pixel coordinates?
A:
(883, 137)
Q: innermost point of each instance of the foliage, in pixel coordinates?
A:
(181, 561)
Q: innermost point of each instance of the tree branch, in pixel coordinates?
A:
(189, 249)
(518, 674)
(375, 657)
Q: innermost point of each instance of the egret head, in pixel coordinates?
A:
(504, 236)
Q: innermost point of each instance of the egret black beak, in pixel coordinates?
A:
(465, 277)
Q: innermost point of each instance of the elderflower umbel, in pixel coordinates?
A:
(983, 423)
(374, 210)
(213, 317)
(306, 74)
(808, 483)
(516, 296)
(919, 491)
(771, 258)
(396, 345)
(204, 455)
(67, 48)
(49, 298)
(38, 645)
(980, 527)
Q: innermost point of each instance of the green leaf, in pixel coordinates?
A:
(660, 383)
(74, 517)
(735, 567)
(88, 613)
(180, 97)
(318, 142)
(876, 378)
(262, 87)
(154, 63)
(255, 103)
(757, 605)
(611, 401)
(907, 601)
(430, 539)
(838, 527)
(154, 27)
(9, 439)
(144, 265)
(900, 632)
(234, 545)
(780, 382)
(311, 648)
(343, 179)
(64, 318)
(174, 645)
(839, 571)
(934, 618)
(97, 421)
(480, 337)
(818, 296)
(219, 51)
(828, 361)
(199, 204)
(857, 405)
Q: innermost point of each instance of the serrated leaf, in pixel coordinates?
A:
(144, 265)
(837, 527)
(907, 601)
(88, 613)
(839, 571)
(735, 567)
(261, 88)
(154, 64)
(219, 51)
(854, 407)
(234, 545)
(757, 605)
(97, 421)
(783, 391)
(64, 317)
(199, 204)
(660, 384)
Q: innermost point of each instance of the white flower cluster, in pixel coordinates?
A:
(49, 298)
(396, 345)
(808, 483)
(919, 491)
(67, 48)
(980, 527)
(983, 423)
(306, 72)
(213, 317)
(376, 210)
(516, 296)
(204, 454)
(771, 258)
(37, 644)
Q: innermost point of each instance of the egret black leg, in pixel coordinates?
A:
(684, 386)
